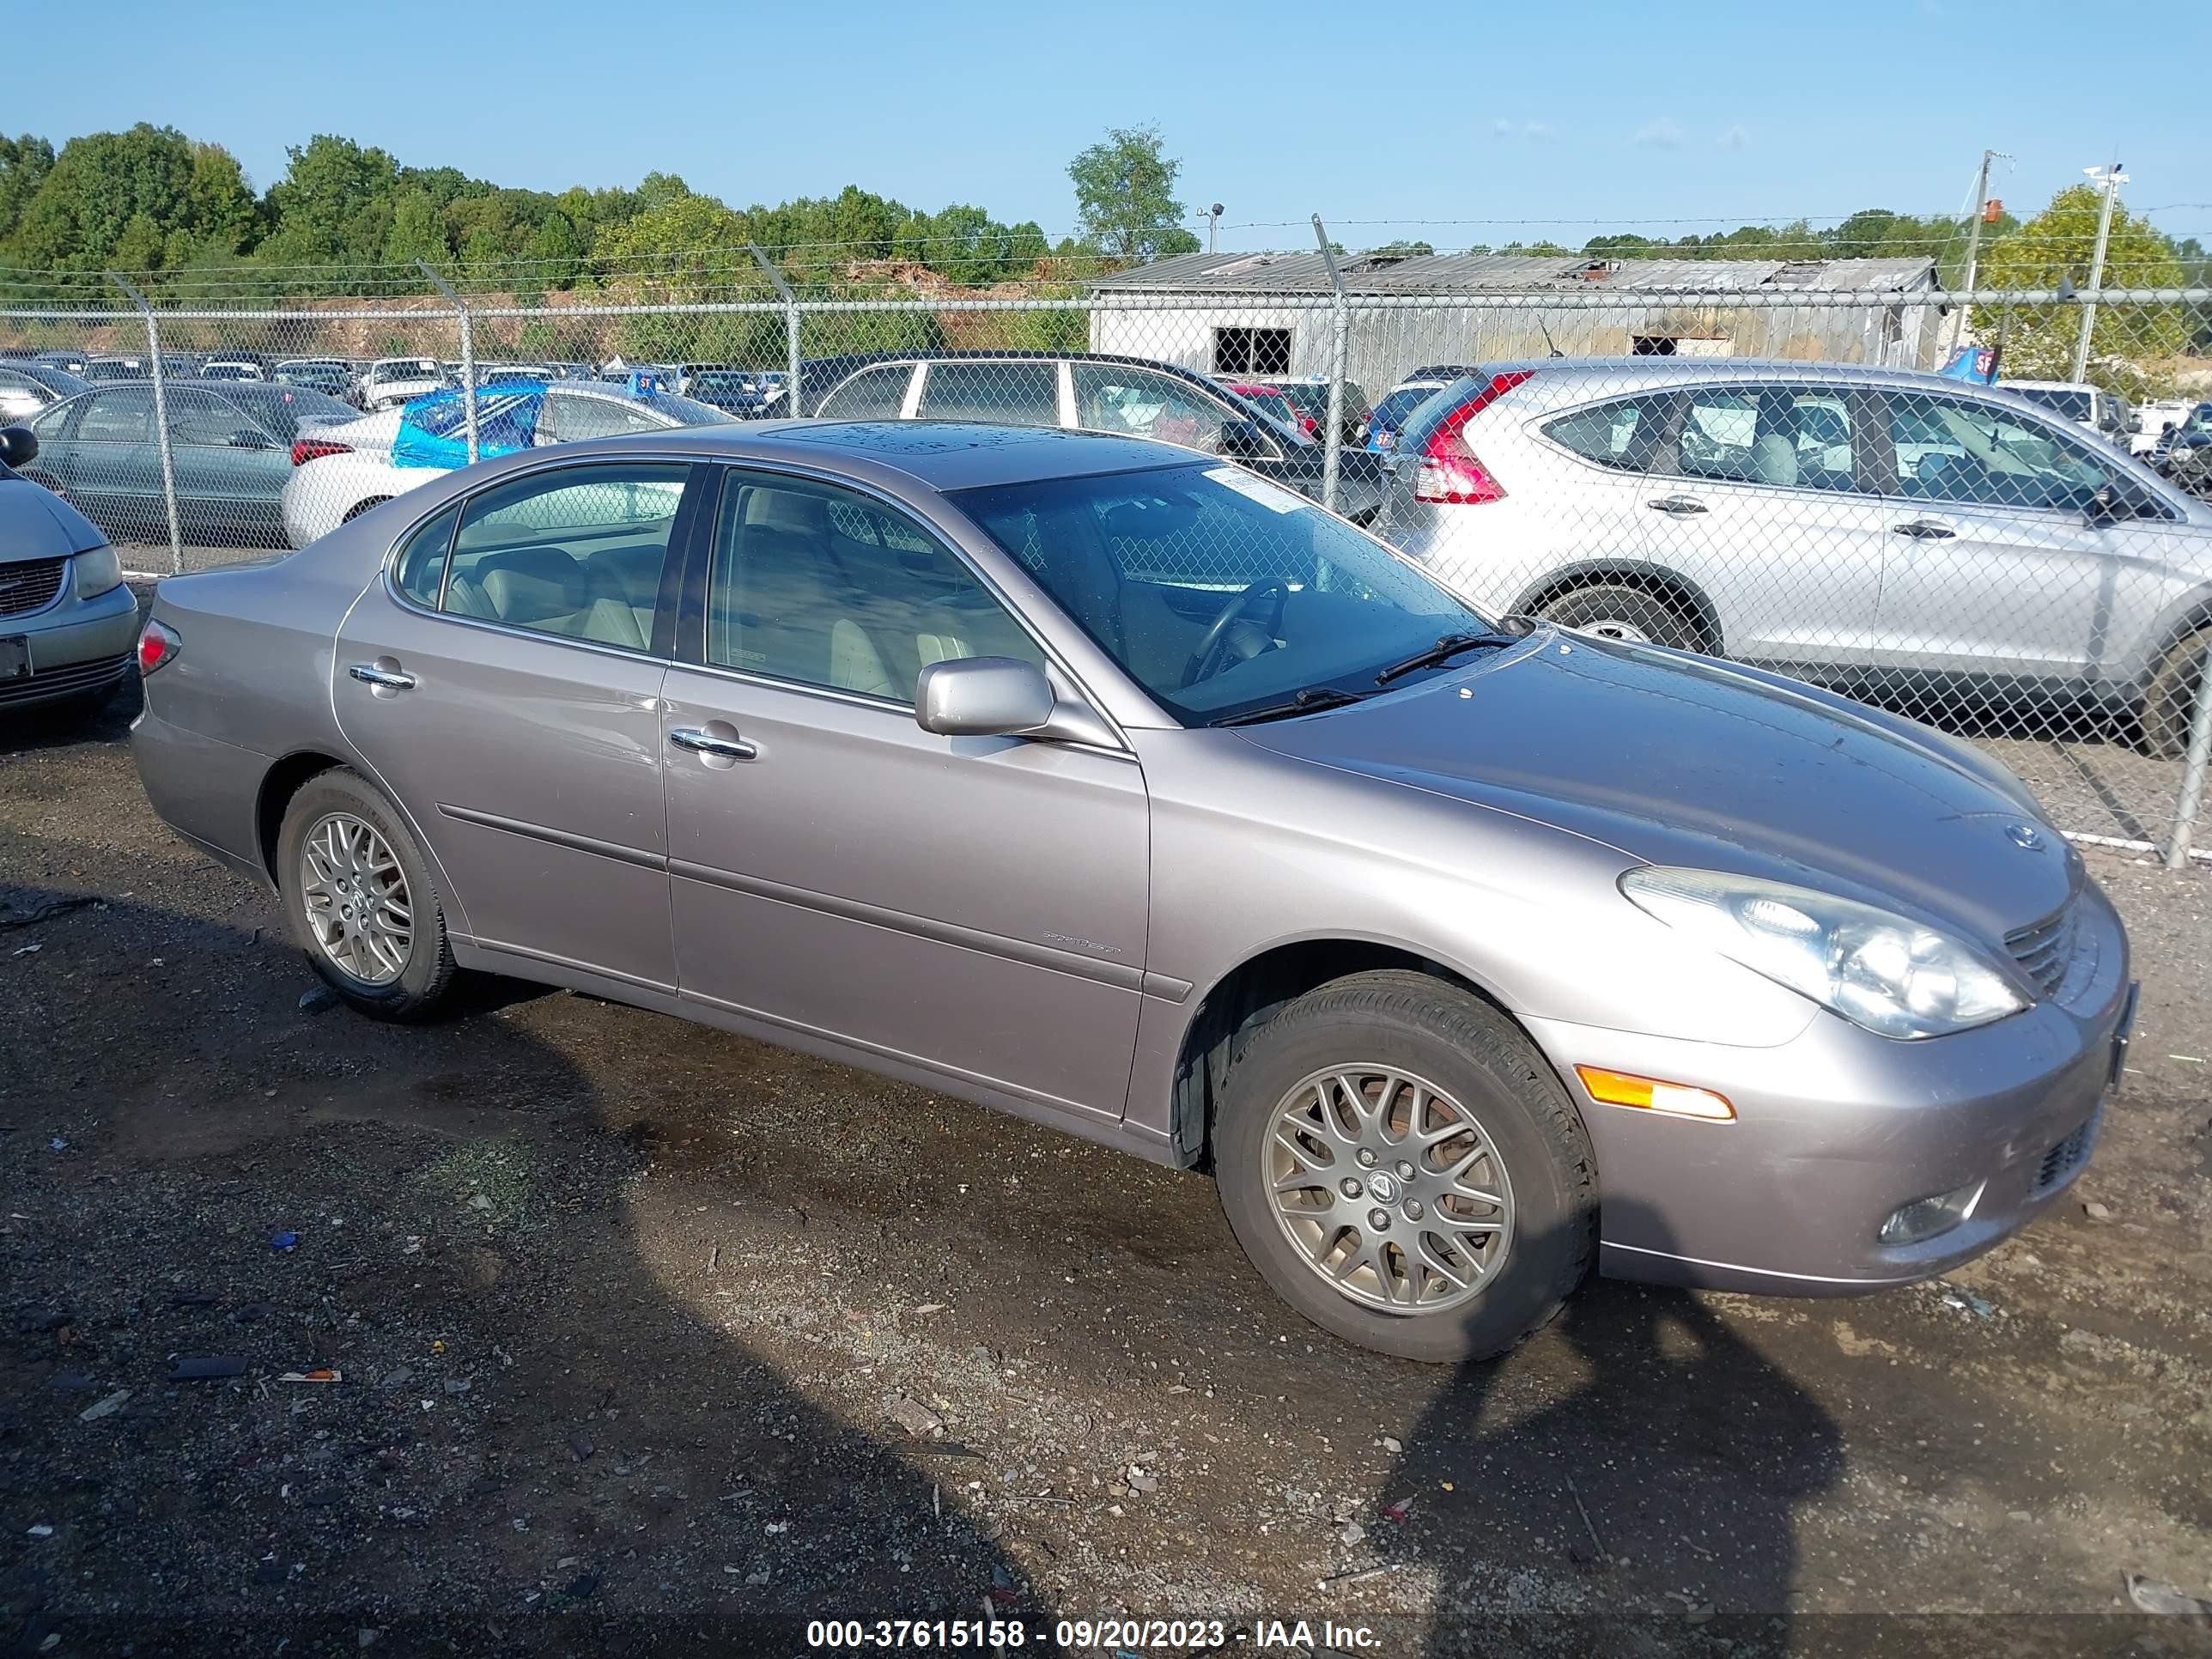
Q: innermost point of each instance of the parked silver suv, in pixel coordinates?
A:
(1849, 525)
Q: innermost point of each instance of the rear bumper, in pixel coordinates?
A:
(1838, 1128)
(82, 647)
(207, 791)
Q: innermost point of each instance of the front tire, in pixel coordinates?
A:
(1404, 1169)
(2171, 699)
(360, 899)
(1614, 610)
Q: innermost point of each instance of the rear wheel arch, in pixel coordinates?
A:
(1250, 993)
(278, 785)
(363, 506)
(1683, 595)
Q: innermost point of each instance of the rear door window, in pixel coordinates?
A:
(1788, 437)
(576, 552)
(1009, 393)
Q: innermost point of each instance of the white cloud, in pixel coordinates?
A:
(1502, 127)
(1665, 133)
(1736, 138)
(1537, 132)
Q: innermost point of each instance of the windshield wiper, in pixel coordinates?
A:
(1311, 701)
(1443, 651)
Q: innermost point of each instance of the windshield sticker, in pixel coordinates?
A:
(1271, 496)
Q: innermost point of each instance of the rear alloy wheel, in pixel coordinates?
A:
(2171, 699)
(359, 898)
(1614, 610)
(1404, 1169)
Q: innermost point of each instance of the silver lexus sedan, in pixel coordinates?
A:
(1094, 780)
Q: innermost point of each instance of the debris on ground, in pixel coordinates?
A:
(19, 909)
(208, 1368)
(2097, 1212)
(107, 1408)
(320, 1374)
(2154, 1595)
(1966, 1302)
(318, 999)
(284, 1241)
(910, 1414)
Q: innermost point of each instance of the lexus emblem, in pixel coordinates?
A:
(2024, 836)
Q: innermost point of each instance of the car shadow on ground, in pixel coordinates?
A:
(534, 1445)
(1627, 1461)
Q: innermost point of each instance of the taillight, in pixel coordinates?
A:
(310, 449)
(157, 645)
(1449, 474)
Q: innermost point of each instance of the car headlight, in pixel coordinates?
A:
(97, 571)
(1893, 977)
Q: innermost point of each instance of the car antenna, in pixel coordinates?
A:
(1556, 352)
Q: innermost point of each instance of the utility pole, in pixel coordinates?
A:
(2111, 178)
(1974, 238)
(1213, 228)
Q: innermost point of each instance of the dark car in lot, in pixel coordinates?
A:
(1087, 392)
(231, 449)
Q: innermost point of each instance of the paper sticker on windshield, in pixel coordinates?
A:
(1273, 496)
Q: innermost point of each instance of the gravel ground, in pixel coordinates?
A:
(648, 1334)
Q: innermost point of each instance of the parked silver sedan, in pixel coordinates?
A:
(67, 623)
(1859, 525)
(1118, 789)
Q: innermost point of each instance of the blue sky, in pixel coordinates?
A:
(1386, 119)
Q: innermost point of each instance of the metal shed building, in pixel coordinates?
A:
(1272, 313)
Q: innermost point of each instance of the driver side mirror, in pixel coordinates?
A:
(19, 445)
(1243, 441)
(2108, 506)
(983, 698)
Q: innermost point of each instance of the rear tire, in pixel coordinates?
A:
(2171, 696)
(341, 808)
(1615, 610)
(1427, 1033)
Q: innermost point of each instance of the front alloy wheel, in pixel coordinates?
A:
(1390, 1189)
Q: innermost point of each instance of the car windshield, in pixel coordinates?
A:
(2073, 405)
(1392, 411)
(1148, 563)
(723, 380)
(412, 369)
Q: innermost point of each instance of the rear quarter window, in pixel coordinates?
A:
(1619, 436)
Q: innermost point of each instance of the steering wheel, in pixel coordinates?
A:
(1205, 659)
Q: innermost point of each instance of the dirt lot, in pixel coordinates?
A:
(647, 1333)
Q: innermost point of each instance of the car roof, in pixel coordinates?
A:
(2045, 385)
(943, 455)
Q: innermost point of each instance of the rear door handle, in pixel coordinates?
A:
(382, 679)
(1680, 506)
(706, 742)
(1925, 530)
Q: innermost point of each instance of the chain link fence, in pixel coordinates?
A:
(1763, 470)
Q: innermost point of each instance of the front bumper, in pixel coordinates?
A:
(1838, 1129)
(77, 647)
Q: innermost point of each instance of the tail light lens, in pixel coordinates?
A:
(158, 645)
(310, 449)
(1449, 474)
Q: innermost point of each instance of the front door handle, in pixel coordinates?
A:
(1679, 507)
(706, 742)
(1925, 530)
(381, 679)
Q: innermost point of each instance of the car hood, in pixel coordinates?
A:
(1674, 759)
(376, 431)
(37, 524)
